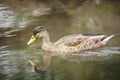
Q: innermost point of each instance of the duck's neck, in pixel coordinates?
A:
(46, 39)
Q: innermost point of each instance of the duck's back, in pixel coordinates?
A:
(78, 37)
(78, 42)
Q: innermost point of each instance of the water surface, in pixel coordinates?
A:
(101, 64)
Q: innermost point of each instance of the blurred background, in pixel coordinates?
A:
(18, 18)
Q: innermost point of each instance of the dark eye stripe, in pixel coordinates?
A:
(35, 32)
(38, 30)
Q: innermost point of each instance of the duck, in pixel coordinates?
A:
(69, 44)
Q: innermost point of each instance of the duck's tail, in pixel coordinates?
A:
(105, 40)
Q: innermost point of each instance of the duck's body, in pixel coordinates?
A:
(74, 43)
(71, 43)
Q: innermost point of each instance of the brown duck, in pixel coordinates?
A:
(70, 43)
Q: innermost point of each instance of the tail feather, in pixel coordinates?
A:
(104, 41)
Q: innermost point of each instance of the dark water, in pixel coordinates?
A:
(102, 64)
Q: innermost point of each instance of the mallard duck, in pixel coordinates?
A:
(69, 44)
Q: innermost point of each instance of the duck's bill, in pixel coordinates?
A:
(32, 39)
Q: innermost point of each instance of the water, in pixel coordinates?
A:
(101, 64)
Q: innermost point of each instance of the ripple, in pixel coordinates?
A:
(110, 50)
(7, 17)
(98, 55)
(4, 52)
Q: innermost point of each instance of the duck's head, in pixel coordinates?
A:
(37, 33)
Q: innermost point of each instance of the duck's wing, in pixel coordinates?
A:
(74, 40)
(68, 39)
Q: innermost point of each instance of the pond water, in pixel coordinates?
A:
(102, 64)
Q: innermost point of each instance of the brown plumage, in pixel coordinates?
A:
(70, 43)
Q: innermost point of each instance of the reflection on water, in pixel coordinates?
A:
(102, 54)
(43, 66)
(101, 64)
(9, 18)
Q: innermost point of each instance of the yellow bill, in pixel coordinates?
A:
(33, 38)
